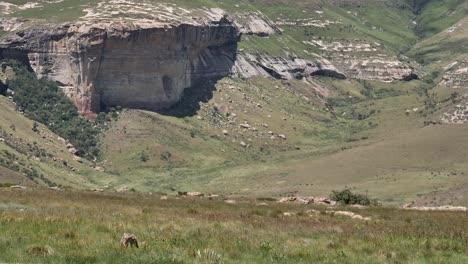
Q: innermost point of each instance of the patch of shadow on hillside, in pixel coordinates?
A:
(204, 78)
(191, 100)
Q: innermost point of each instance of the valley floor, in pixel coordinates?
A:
(47, 226)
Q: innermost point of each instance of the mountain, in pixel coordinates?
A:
(264, 97)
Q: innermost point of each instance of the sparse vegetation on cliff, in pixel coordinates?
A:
(44, 102)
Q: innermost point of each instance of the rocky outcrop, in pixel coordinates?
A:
(256, 24)
(457, 115)
(456, 76)
(138, 65)
(249, 65)
(377, 68)
(363, 60)
(11, 24)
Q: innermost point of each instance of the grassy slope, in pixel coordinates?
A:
(437, 16)
(199, 151)
(443, 48)
(80, 227)
(24, 144)
(398, 150)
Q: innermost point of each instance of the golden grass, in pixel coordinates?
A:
(83, 227)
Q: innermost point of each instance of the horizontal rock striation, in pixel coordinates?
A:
(130, 64)
(249, 65)
(377, 68)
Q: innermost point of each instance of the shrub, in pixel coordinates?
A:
(143, 156)
(47, 69)
(35, 127)
(346, 196)
(166, 156)
(6, 185)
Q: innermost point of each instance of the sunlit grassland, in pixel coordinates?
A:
(82, 227)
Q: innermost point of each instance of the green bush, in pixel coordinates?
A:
(143, 156)
(346, 196)
(44, 102)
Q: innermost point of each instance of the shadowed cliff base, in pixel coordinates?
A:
(156, 79)
(15, 54)
(219, 62)
(191, 99)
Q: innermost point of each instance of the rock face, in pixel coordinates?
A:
(249, 65)
(256, 24)
(138, 65)
(378, 68)
(363, 60)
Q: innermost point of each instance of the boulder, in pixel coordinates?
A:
(73, 151)
(302, 200)
(349, 214)
(123, 189)
(358, 206)
(324, 201)
(98, 168)
(230, 201)
(19, 187)
(287, 199)
(245, 126)
(195, 194)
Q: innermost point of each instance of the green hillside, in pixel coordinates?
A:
(383, 138)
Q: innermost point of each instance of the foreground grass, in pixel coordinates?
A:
(39, 226)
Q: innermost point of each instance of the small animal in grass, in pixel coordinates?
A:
(128, 239)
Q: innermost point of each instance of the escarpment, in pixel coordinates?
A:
(130, 64)
(148, 63)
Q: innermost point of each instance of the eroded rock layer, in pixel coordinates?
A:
(248, 65)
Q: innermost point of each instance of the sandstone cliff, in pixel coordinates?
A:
(139, 65)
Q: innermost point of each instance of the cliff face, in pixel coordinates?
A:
(136, 65)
